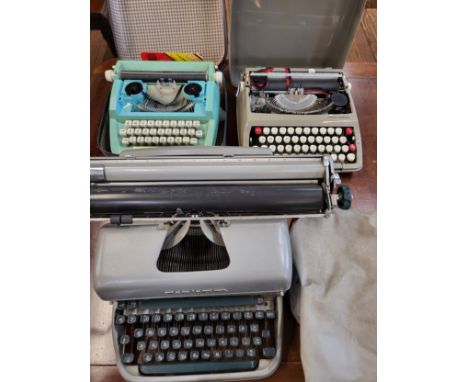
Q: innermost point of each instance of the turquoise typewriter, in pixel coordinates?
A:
(162, 103)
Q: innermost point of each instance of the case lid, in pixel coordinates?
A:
(293, 33)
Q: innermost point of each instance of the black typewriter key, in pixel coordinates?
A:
(119, 319)
(229, 353)
(125, 339)
(266, 333)
(128, 358)
(171, 356)
(251, 353)
(185, 331)
(222, 342)
(176, 344)
(182, 355)
(191, 316)
(197, 330)
(208, 330)
(240, 353)
(138, 333)
(173, 331)
(254, 328)
(237, 316)
(162, 331)
(270, 314)
(141, 345)
(231, 329)
(121, 305)
(179, 317)
(131, 305)
(165, 344)
(234, 342)
(149, 332)
(147, 357)
(248, 315)
(245, 341)
(259, 315)
(188, 344)
(159, 356)
(217, 354)
(203, 316)
(260, 300)
(268, 352)
(225, 316)
(144, 319)
(206, 354)
(219, 329)
(257, 341)
(131, 319)
(156, 318)
(214, 316)
(211, 342)
(199, 342)
(153, 345)
(242, 328)
(194, 355)
(167, 317)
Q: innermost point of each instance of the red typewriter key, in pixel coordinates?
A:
(349, 131)
(352, 147)
(258, 130)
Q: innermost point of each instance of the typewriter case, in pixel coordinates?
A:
(306, 35)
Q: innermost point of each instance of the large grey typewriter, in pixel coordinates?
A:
(195, 254)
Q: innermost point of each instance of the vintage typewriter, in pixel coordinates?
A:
(293, 97)
(195, 255)
(162, 103)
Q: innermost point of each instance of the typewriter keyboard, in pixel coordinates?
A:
(161, 133)
(338, 142)
(199, 335)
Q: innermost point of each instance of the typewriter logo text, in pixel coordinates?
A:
(190, 291)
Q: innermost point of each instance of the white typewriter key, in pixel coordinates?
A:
(130, 131)
(334, 157)
(350, 157)
(181, 123)
(262, 139)
(295, 139)
(331, 131)
(185, 140)
(338, 131)
(337, 148)
(128, 123)
(143, 123)
(290, 130)
(196, 124)
(191, 132)
(166, 123)
(188, 123)
(315, 130)
(132, 140)
(178, 140)
(264, 146)
(153, 131)
(163, 140)
(321, 148)
(305, 148)
(270, 139)
(288, 148)
(323, 130)
(319, 139)
(329, 148)
(148, 140)
(135, 123)
(158, 123)
(327, 139)
(167, 131)
(298, 130)
(193, 141)
(123, 132)
(150, 123)
(155, 140)
(199, 133)
(170, 140)
(183, 132)
(266, 130)
(335, 139)
(278, 139)
(160, 131)
(303, 139)
(313, 148)
(173, 123)
(137, 131)
(274, 130)
(345, 148)
(287, 139)
(343, 140)
(125, 141)
(280, 148)
(306, 130)
(175, 131)
(297, 148)
(272, 148)
(311, 139)
(140, 140)
(283, 130)
(341, 157)
(145, 131)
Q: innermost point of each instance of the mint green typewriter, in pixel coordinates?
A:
(162, 103)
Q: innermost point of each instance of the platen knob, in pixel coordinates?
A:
(345, 197)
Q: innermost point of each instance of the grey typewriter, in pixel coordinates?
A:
(194, 253)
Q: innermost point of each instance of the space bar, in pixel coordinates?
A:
(197, 367)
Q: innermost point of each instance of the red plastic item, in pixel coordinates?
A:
(352, 147)
(349, 131)
(258, 130)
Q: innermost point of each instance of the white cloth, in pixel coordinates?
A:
(334, 296)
